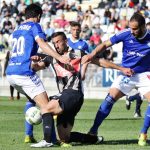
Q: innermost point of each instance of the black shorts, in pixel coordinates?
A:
(70, 101)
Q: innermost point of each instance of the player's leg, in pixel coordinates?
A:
(29, 138)
(138, 106)
(18, 95)
(146, 124)
(144, 90)
(11, 92)
(104, 110)
(85, 138)
(34, 89)
(121, 84)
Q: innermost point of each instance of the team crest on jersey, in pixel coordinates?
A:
(148, 44)
(79, 47)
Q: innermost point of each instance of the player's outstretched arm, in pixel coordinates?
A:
(108, 64)
(49, 50)
(99, 49)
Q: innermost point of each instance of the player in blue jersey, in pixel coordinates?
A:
(136, 56)
(74, 40)
(68, 102)
(26, 39)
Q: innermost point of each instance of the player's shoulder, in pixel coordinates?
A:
(124, 32)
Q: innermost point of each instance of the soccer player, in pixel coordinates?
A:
(68, 102)
(26, 39)
(76, 43)
(74, 40)
(136, 56)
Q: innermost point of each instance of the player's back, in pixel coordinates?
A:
(23, 47)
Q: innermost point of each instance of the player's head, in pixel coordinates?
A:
(137, 25)
(75, 29)
(59, 41)
(33, 11)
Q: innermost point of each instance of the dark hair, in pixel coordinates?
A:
(73, 24)
(33, 11)
(138, 18)
(59, 34)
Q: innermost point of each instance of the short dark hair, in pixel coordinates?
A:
(59, 34)
(138, 18)
(74, 24)
(33, 11)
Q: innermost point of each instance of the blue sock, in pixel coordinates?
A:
(28, 127)
(102, 113)
(146, 124)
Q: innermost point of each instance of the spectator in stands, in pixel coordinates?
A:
(13, 9)
(87, 20)
(3, 42)
(86, 32)
(49, 30)
(7, 27)
(70, 5)
(96, 38)
(107, 16)
(4, 8)
(62, 22)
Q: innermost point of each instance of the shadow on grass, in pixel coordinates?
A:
(113, 142)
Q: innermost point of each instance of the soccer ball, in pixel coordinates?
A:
(33, 116)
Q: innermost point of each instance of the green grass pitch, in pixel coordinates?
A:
(120, 129)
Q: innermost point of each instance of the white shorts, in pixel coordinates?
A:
(30, 86)
(140, 81)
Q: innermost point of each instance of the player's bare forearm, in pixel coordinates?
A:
(108, 64)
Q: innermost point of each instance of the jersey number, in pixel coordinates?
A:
(18, 46)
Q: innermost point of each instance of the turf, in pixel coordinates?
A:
(120, 129)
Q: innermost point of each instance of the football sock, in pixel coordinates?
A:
(11, 91)
(102, 113)
(146, 124)
(134, 97)
(28, 127)
(83, 138)
(53, 137)
(138, 103)
(48, 123)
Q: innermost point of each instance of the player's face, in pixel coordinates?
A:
(137, 31)
(75, 31)
(60, 44)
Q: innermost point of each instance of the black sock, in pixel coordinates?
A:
(83, 138)
(47, 126)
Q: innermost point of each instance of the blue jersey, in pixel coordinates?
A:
(79, 44)
(136, 52)
(24, 46)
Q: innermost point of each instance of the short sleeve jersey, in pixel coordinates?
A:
(136, 52)
(78, 44)
(24, 46)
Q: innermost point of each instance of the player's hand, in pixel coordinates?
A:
(64, 59)
(86, 58)
(35, 58)
(127, 71)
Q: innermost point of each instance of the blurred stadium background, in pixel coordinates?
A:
(98, 80)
